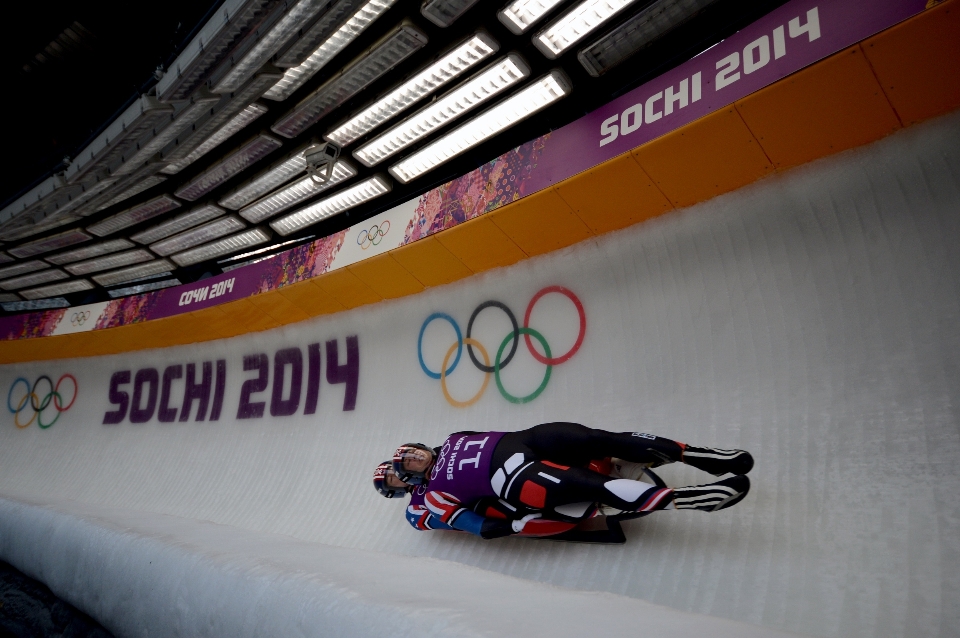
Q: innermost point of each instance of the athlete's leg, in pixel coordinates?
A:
(575, 444)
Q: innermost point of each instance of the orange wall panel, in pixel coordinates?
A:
(278, 307)
(480, 245)
(540, 223)
(711, 156)
(918, 62)
(430, 262)
(386, 277)
(346, 288)
(614, 195)
(307, 296)
(823, 109)
(240, 317)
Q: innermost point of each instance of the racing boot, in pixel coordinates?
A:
(712, 497)
(717, 461)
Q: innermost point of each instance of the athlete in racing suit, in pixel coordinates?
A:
(536, 481)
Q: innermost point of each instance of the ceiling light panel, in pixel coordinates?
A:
(8, 297)
(132, 216)
(21, 268)
(139, 187)
(195, 237)
(265, 46)
(132, 273)
(443, 13)
(270, 179)
(5, 258)
(67, 287)
(49, 244)
(520, 15)
(145, 149)
(87, 252)
(141, 116)
(337, 203)
(638, 32)
(30, 227)
(88, 192)
(426, 81)
(178, 224)
(331, 36)
(240, 121)
(536, 96)
(231, 22)
(479, 89)
(33, 279)
(577, 23)
(116, 260)
(238, 161)
(399, 44)
(295, 193)
(227, 245)
(139, 289)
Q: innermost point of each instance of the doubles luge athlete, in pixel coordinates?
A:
(551, 478)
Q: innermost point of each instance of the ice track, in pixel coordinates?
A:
(811, 318)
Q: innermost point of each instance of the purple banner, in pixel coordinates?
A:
(794, 36)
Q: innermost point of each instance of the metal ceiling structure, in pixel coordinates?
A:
(282, 121)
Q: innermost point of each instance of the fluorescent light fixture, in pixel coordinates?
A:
(396, 46)
(481, 88)
(88, 192)
(132, 273)
(295, 193)
(51, 243)
(27, 227)
(8, 297)
(199, 104)
(423, 83)
(136, 189)
(232, 20)
(179, 223)
(5, 258)
(537, 95)
(272, 178)
(132, 216)
(199, 235)
(22, 268)
(139, 289)
(116, 260)
(224, 246)
(344, 34)
(260, 251)
(37, 304)
(443, 13)
(337, 203)
(238, 161)
(42, 277)
(107, 148)
(240, 121)
(67, 287)
(576, 24)
(637, 33)
(266, 45)
(41, 196)
(520, 15)
(87, 252)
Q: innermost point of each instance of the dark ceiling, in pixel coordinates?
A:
(69, 66)
(72, 67)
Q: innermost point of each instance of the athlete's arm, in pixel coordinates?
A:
(448, 510)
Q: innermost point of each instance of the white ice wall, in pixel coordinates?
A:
(810, 318)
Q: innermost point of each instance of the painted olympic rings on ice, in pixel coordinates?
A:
(30, 398)
(374, 235)
(500, 362)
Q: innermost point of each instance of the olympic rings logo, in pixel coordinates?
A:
(500, 361)
(374, 235)
(52, 400)
(79, 318)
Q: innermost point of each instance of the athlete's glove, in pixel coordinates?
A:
(519, 524)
